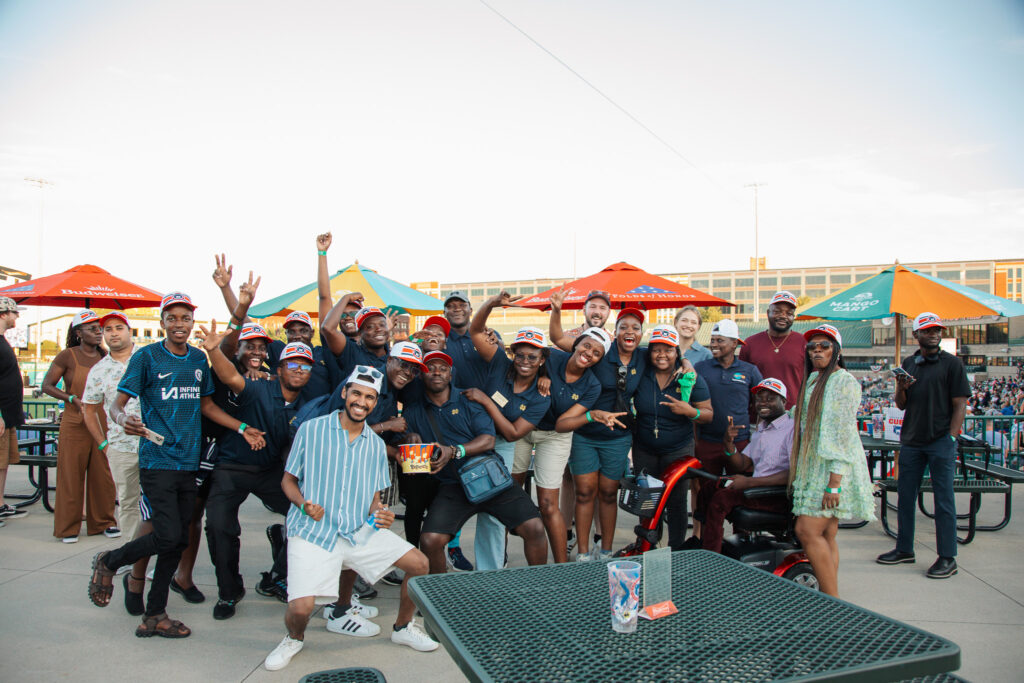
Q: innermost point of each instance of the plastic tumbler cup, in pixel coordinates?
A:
(624, 587)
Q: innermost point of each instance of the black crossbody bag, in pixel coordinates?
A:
(482, 476)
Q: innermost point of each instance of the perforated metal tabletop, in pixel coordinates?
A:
(735, 623)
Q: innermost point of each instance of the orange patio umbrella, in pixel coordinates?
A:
(84, 286)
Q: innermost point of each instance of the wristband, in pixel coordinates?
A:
(233, 326)
(461, 451)
(302, 509)
(103, 445)
(697, 417)
(589, 418)
(728, 454)
(838, 489)
(953, 438)
(241, 428)
(321, 252)
(71, 399)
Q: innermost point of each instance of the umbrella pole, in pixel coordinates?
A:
(899, 337)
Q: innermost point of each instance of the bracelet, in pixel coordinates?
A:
(233, 326)
(462, 451)
(953, 438)
(838, 489)
(103, 445)
(728, 454)
(321, 252)
(71, 399)
(697, 417)
(241, 428)
(302, 509)
(589, 418)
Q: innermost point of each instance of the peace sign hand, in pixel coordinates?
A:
(247, 292)
(557, 298)
(222, 273)
(675, 405)
(210, 337)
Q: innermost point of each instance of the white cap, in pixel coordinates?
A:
(600, 335)
(727, 328)
(366, 376)
(926, 320)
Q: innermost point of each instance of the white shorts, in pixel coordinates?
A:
(552, 453)
(313, 571)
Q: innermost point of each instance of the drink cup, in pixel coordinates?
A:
(51, 414)
(415, 457)
(878, 423)
(624, 588)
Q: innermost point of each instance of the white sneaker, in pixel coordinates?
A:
(584, 557)
(413, 636)
(282, 654)
(69, 539)
(600, 555)
(367, 611)
(352, 624)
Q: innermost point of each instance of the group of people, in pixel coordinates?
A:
(310, 430)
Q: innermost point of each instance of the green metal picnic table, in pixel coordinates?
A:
(735, 623)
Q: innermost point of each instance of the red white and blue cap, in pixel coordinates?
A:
(783, 297)
(599, 334)
(176, 299)
(408, 352)
(534, 336)
(926, 320)
(636, 312)
(365, 313)
(727, 328)
(771, 384)
(252, 331)
(827, 330)
(84, 316)
(367, 376)
(297, 350)
(440, 321)
(114, 314)
(438, 355)
(664, 334)
(298, 317)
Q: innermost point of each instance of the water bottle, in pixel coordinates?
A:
(366, 531)
(641, 480)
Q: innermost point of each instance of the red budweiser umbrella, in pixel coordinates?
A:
(628, 286)
(83, 286)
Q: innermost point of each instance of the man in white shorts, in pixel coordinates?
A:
(335, 472)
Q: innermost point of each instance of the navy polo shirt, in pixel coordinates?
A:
(261, 405)
(322, 378)
(472, 368)
(564, 395)
(355, 354)
(459, 420)
(529, 404)
(674, 431)
(730, 395)
(606, 371)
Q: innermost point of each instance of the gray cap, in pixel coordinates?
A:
(7, 304)
(457, 294)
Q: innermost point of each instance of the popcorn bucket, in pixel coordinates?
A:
(415, 457)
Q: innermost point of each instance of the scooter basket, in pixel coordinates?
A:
(636, 499)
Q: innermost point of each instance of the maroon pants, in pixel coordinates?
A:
(712, 456)
(717, 503)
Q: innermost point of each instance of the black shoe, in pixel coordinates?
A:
(943, 568)
(133, 601)
(692, 543)
(278, 540)
(272, 587)
(895, 557)
(393, 578)
(225, 609)
(363, 589)
(193, 594)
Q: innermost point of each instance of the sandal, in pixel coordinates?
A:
(148, 628)
(100, 592)
(132, 600)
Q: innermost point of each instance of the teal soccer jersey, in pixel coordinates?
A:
(169, 388)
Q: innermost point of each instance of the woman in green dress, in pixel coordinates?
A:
(829, 474)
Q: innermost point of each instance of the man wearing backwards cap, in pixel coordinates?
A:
(334, 474)
(12, 415)
(372, 346)
(777, 352)
(934, 395)
(767, 454)
(270, 406)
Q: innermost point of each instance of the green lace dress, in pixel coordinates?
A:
(835, 448)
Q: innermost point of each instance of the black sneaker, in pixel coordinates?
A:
(895, 557)
(191, 594)
(278, 540)
(393, 578)
(272, 587)
(364, 589)
(943, 568)
(11, 512)
(458, 561)
(225, 609)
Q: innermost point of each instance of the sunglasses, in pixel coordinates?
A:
(349, 314)
(823, 345)
(407, 367)
(529, 358)
(298, 367)
(371, 372)
(620, 382)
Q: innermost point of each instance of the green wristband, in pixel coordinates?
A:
(241, 428)
(321, 252)
(461, 451)
(589, 419)
(302, 509)
(728, 454)
(838, 489)
(103, 445)
(233, 326)
(71, 399)
(697, 416)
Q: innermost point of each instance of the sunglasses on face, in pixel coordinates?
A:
(823, 345)
(298, 367)
(349, 314)
(526, 358)
(408, 368)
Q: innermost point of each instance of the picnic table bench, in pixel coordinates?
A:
(975, 487)
(37, 457)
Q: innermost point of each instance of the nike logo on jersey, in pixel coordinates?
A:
(164, 375)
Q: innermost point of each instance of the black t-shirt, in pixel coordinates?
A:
(940, 379)
(11, 386)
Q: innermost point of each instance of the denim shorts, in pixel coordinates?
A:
(610, 457)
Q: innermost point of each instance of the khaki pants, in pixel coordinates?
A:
(9, 454)
(124, 466)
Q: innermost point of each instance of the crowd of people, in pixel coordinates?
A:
(178, 433)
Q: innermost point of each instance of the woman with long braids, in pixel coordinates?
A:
(828, 472)
(83, 470)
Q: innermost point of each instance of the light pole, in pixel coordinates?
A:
(42, 184)
(757, 256)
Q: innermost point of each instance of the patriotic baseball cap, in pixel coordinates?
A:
(176, 299)
(408, 352)
(365, 313)
(533, 336)
(437, 355)
(783, 297)
(114, 314)
(664, 334)
(636, 312)
(926, 320)
(827, 330)
(298, 317)
(727, 328)
(598, 294)
(600, 335)
(252, 331)
(84, 316)
(771, 384)
(366, 376)
(7, 305)
(440, 321)
(296, 350)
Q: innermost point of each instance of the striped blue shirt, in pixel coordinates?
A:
(341, 476)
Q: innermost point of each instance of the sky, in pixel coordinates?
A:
(480, 139)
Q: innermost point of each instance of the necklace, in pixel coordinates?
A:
(776, 348)
(657, 392)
